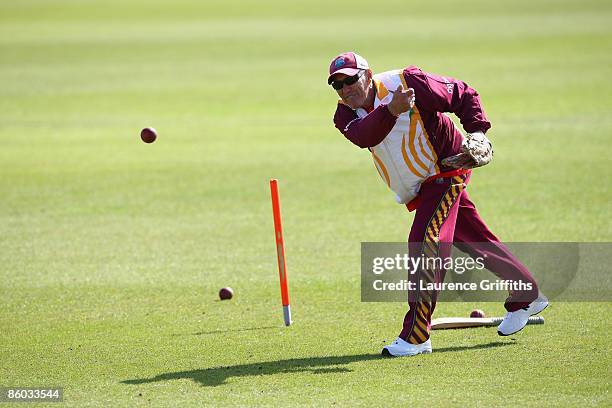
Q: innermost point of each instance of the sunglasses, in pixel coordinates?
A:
(339, 84)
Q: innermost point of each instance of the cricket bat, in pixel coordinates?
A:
(464, 322)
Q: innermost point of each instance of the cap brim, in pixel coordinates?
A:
(345, 71)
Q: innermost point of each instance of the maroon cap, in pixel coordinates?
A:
(348, 63)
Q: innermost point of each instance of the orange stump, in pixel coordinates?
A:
(280, 251)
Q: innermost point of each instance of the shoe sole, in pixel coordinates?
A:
(533, 314)
(386, 353)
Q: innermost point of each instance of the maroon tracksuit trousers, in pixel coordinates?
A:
(446, 215)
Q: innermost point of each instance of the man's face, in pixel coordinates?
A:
(354, 95)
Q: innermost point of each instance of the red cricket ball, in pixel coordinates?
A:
(148, 135)
(226, 293)
(477, 313)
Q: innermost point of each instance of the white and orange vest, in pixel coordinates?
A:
(405, 157)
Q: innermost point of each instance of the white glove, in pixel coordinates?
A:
(476, 151)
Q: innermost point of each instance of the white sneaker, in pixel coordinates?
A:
(401, 348)
(515, 321)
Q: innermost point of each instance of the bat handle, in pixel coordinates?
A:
(531, 320)
(535, 320)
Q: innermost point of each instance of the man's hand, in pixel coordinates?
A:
(403, 101)
(476, 151)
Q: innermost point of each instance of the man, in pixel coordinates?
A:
(399, 116)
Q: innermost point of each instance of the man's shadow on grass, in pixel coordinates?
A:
(224, 331)
(215, 376)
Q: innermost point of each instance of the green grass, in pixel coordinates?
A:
(112, 251)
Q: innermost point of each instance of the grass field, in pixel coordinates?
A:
(112, 251)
